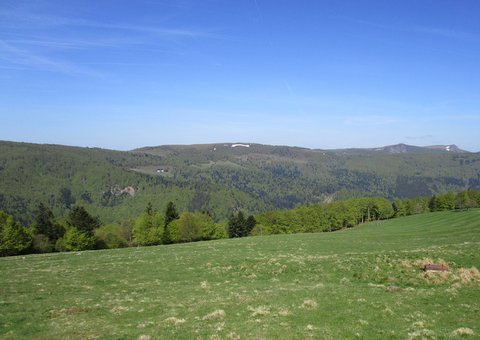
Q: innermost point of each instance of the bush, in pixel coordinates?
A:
(14, 238)
(75, 240)
(148, 229)
(42, 244)
(195, 227)
(112, 236)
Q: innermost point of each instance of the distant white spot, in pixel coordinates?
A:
(241, 145)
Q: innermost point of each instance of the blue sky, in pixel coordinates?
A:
(321, 74)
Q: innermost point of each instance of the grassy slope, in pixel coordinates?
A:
(344, 284)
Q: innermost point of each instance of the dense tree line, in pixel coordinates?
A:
(349, 213)
(82, 231)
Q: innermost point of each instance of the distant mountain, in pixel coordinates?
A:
(447, 148)
(405, 148)
(220, 178)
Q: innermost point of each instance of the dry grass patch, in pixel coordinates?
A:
(117, 310)
(420, 263)
(436, 277)
(259, 311)
(422, 333)
(458, 277)
(468, 275)
(233, 336)
(69, 311)
(309, 304)
(174, 321)
(463, 331)
(218, 314)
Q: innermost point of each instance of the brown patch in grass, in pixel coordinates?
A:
(420, 263)
(174, 321)
(309, 304)
(262, 310)
(468, 275)
(118, 310)
(422, 333)
(436, 278)
(69, 311)
(233, 336)
(393, 288)
(218, 314)
(463, 331)
(459, 276)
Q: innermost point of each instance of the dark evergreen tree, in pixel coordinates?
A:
(44, 222)
(433, 204)
(80, 219)
(250, 224)
(171, 214)
(232, 226)
(237, 225)
(66, 197)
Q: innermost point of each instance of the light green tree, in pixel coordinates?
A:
(148, 228)
(14, 238)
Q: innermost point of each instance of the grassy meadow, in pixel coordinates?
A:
(364, 282)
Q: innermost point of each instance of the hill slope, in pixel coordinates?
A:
(219, 178)
(364, 282)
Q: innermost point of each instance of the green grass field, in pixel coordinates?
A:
(365, 282)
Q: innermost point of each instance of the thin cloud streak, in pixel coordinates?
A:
(29, 59)
(27, 47)
(48, 21)
(433, 31)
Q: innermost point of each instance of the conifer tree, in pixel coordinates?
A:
(171, 214)
(44, 222)
(80, 219)
(250, 224)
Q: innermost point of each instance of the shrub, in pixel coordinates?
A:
(75, 240)
(14, 238)
(42, 244)
(112, 236)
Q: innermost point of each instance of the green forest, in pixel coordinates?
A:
(220, 179)
(79, 230)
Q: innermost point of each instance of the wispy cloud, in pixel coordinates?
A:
(30, 59)
(417, 29)
(32, 40)
(12, 19)
(66, 44)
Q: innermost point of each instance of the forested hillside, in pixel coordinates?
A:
(218, 178)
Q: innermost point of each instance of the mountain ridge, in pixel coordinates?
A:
(395, 148)
(219, 178)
